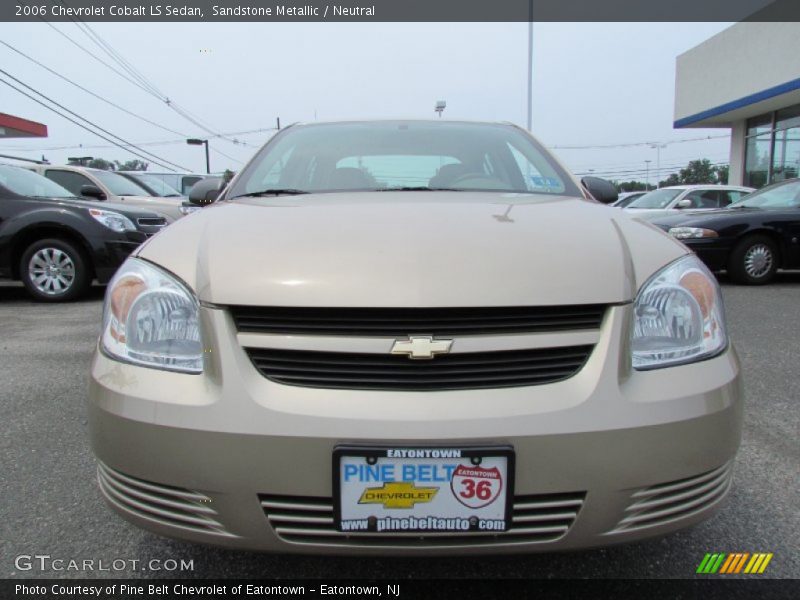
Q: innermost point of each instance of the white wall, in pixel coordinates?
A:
(738, 133)
(744, 59)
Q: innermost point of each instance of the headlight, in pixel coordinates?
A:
(112, 220)
(686, 233)
(151, 319)
(678, 316)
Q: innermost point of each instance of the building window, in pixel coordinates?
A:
(772, 151)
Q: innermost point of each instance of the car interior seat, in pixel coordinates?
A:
(447, 174)
(350, 178)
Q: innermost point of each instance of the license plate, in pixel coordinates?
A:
(422, 489)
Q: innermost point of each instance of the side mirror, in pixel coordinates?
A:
(92, 191)
(601, 190)
(205, 191)
(685, 203)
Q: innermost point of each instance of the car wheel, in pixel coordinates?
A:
(54, 270)
(754, 260)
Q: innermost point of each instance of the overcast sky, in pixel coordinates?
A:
(595, 84)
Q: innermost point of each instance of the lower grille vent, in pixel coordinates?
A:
(309, 520)
(661, 504)
(167, 505)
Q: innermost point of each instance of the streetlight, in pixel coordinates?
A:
(647, 176)
(657, 147)
(198, 142)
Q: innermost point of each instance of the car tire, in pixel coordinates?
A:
(754, 260)
(54, 270)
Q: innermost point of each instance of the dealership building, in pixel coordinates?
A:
(746, 79)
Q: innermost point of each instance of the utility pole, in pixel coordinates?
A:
(658, 148)
(197, 142)
(647, 176)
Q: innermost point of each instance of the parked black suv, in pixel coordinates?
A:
(55, 243)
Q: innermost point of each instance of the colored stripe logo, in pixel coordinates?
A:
(735, 562)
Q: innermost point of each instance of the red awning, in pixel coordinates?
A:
(15, 127)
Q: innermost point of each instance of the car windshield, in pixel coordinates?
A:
(27, 183)
(155, 184)
(119, 185)
(782, 195)
(403, 155)
(655, 199)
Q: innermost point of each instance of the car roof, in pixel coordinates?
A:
(165, 173)
(403, 120)
(715, 186)
(75, 168)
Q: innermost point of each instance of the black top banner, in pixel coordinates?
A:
(401, 10)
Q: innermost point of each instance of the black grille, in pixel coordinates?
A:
(152, 221)
(395, 322)
(151, 225)
(458, 371)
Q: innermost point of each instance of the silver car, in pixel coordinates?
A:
(413, 337)
(100, 185)
(669, 201)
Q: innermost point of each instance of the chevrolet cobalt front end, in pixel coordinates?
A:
(413, 337)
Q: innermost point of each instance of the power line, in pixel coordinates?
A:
(143, 85)
(143, 82)
(115, 56)
(155, 157)
(101, 61)
(218, 151)
(90, 92)
(632, 172)
(181, 140)
(81, 125)
(634, 144)
(636, 163)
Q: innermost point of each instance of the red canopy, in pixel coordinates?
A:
(16, 127)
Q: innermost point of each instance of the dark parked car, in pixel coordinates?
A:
(56, 243)
(751, 239)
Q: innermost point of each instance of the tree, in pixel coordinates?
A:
(630, 186)
(132, 165)
(673, 179)
(94, 163)
(227, 176)
(698, 172)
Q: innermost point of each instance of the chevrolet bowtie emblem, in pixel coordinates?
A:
(397, 495)
(421, 346)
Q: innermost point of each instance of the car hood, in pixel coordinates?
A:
(694, 218)
(411, 249)
(129, 211)
(649, 213)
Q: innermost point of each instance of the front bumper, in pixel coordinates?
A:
(109, 252)
(713, 252)
(230, 458)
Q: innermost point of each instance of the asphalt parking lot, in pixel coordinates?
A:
(51, 505)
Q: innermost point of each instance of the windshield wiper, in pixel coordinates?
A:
(273, 192)
(416, 188)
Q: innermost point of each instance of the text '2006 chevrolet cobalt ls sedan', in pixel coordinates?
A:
(413, 337)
